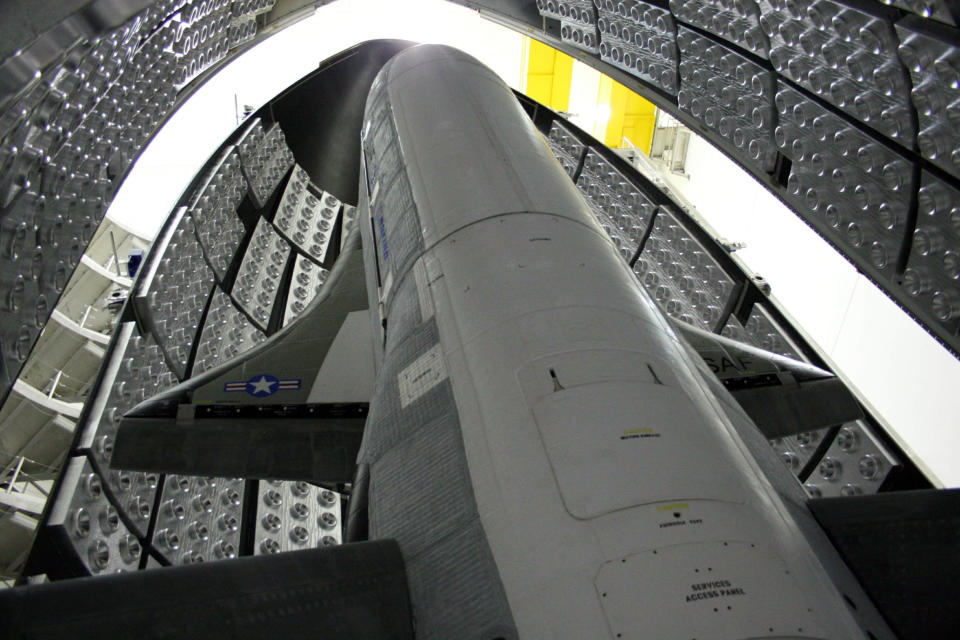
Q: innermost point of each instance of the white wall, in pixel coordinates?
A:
(912, 382)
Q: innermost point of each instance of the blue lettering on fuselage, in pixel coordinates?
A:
(383, 238)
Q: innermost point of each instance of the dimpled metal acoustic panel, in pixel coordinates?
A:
(864, 97)
(78, 102)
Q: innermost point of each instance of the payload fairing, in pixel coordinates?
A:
(841, 108)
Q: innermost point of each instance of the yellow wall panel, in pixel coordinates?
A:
(631, 117)
(541, 58)
(562, 75)
(615, 95)
(619, 113)
(639, 130)
(548, 74)
(540, 87)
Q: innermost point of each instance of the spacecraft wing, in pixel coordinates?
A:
(292, 408)
(781, 395)
(349, 591)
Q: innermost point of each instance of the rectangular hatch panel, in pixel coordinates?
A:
(706, 591)
(615, 444)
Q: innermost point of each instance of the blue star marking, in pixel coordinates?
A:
(262, 386)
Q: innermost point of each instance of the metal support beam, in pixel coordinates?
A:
(23, 501)
(69, 409)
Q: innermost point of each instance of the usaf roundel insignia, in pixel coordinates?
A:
(263, 385)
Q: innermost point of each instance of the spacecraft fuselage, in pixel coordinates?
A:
(548, 453)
